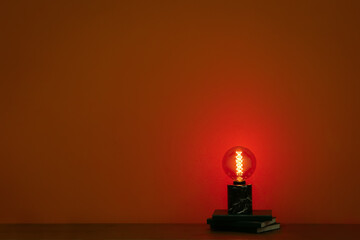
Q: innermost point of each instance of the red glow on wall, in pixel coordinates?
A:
(121, 111)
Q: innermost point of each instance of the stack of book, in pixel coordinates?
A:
(257, 222)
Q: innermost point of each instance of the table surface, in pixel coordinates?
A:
(171, 231)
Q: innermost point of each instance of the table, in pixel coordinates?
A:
(171, 231)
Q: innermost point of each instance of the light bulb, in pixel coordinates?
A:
(239, 163)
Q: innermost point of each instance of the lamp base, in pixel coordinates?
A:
(239, 199)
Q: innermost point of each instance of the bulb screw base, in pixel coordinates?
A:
(239, 199)
(239, 183)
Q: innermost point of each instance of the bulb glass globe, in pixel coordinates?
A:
(239, 163)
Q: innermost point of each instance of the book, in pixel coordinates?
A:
(257, 215)
(237, 223)
(247, 229)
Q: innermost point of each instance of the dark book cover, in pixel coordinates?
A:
(257, 215)
(254, 224)
(247, 229)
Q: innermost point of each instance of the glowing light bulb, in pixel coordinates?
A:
(239, 163)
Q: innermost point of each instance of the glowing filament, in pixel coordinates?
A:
(239, 164)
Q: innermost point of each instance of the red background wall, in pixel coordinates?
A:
(121, 111)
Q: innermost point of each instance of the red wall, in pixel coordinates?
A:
(121, 111)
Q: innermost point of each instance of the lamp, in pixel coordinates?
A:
(239, 164)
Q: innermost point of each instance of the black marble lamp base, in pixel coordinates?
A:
(239, 198)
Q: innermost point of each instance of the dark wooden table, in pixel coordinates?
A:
(170, 231)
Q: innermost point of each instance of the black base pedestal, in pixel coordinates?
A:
(257, 222)
(239, 199)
